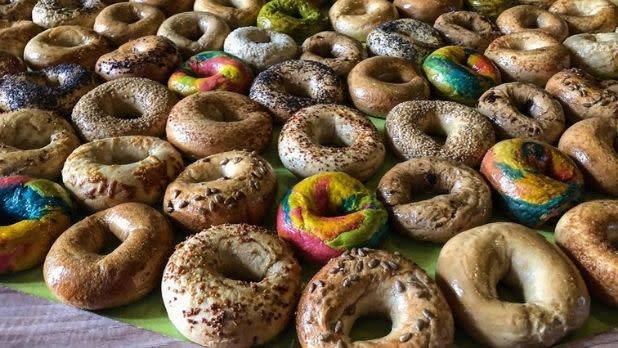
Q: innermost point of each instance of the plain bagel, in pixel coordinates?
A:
(587, 16)
(195, 32)
(528, 17)
(337, 51)
(595, 53)
(356, 18)
(127, 21)
(468, 29)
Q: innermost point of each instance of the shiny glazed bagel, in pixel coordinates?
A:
(127, 21)
(14, 35)
(356, 18)
(528, 17)
(195, 32)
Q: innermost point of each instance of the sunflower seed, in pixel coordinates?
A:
(338, 326)
(320, 283)
(359, 266)
(183, 204)
(392, 265)
(399, 286)
(199, 198)
(428, 314)
(373, 263)
(237, 159)
(346, 283)
(405, 337)
(312, 287)
(218, 198)
(224, 161)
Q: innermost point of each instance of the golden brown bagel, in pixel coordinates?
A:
(14, 35)
(527, 17)
(337, 51)
(426, 10)
(169, 7)
(127, 21)
(240, 13)
(356, 18)
(195, 32)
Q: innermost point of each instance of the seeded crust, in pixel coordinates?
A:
(229, 187)
(215, 311)
(54, 13)
(454, 27)
(247, 43)
(363, 281)
(468, 133)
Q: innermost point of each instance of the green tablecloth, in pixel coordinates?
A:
(150, 314)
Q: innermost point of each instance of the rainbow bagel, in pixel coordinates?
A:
(535, 180)
(328, 213)
(460, 74)
(210, 71)
(37, 211)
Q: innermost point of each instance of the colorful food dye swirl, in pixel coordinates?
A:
(328, 213)
(535, 180)
(460, 74)
(33, 212)
(209, 71)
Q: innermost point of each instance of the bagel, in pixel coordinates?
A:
(126, 21)
(366, 281)
(10, 64)
(227, 280)
(260, 48)
(587, 16)
(297, 18)
(595, 53)
(544, 4)
(129, 106)
(236, 14)
(195, 32)
(54, 13)
(377, 84)
(356, 18)
(337, 51)
(35, 142)
(14, 35)
(468, 133)
(468, 29)
(426, 10)
(204, 124)
(17, 9)
(330, 138)
(474, 262)
(528, 17)
(488, 8)
(169, 7)
(79, 274)
(591, 144)
(107, 172)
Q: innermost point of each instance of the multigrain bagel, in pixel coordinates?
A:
(521, 110)
(474, 262)
(528, 17)
(195, 32)
(65, 44)
(241, 13)
(468, 29)
(528, 56)
(204, 124)
(587, 234)
(591, 144)
(78, 273)
(169, 7)
(53, 13)
(410, 125)
(35, 143)
(587, 16)
(240, 272)
(466, 203)
(129, 106)
(229, 187)
(17, 9)
(14, 35)
(326, 138)
(127, 21)
(426, 10)
(365, 281)
(595, 53)
(356, 18)
(10, 64)
(582, 96)
(376, 85)
(107, 172)
(337, 51)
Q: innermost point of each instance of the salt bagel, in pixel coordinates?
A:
(337, 51)
(17, 9)
(14, 35)
(356, 18)
(521, 110)
(426, 10)
(107, 172)
(127, 21)
(595, 53)
(471, 265)
(587, 16)
(591, 144)
(204, 124)
(327, 138)
(195, 32)
(528, 56)
(260, 48)
(468, 29)
(53, 13)
(587, 233)
(78, 275)
(229, 280)
(35, 143)
(364, 281)
(241, 13)
(129, 106)
(468, 133)
(466, 203)
(528, 17)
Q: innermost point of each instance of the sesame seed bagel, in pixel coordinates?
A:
(229, 187)
(468, 29)
(195, 32)
(127, 21)
(107, 172)
(522, 110)
(364, 281)
(128, 106)
(78, 275)
(411, 125)
(587, 16)
(466, 203)
(14, 35)
(207, 123)
(528, 17)
(231, 286)
(35, 143)
(53, 13)
(327, 138)
(337, 51)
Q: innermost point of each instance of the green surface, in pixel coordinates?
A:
(149, 312)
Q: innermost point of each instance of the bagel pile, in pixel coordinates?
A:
(147, 144)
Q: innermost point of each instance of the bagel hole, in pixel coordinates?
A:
(509, 293)
(129, 16)
(525, 107)
(46, 80)
(7, 220)
(123, 109)
(612, 234)
(371, 326)
(243, 265)
(391, 76)
(292, 12)
(67, 39)
(468, 25)
(24, 141)
(121, 158)
(324, 50)
(297, 90)
(258, 36)
(110, 244)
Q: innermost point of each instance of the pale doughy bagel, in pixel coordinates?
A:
(587, 16)
(521, 110)
(195, 32)
(474, 262)
(204, 124)
(595, 53)
(229, 187)
(169, 7)
(528, 56)
(461, 198)
(53, 13)
(591, 144)
(131, 106)
(260, 48)
(356, 18)
(528, 17)
(426, 10)
(337, 51)
(364, 281)
(17, 9)
(468, 29)
(331, 138)
(410, 125)
(35, 143)
(236, 13)
(77, 274)
(127, 21)
(107, 172)
(15, 35)
(240, 272)
(587, 234)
